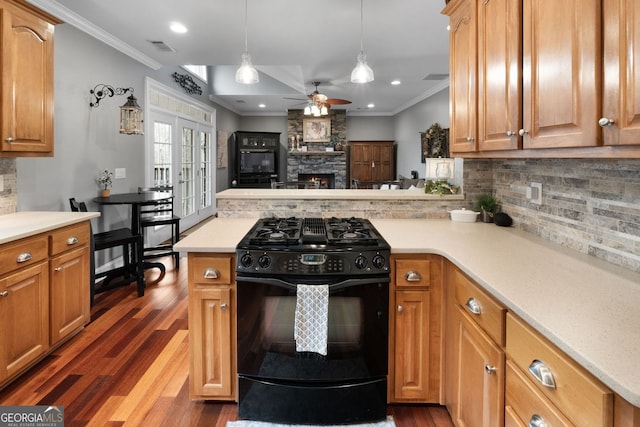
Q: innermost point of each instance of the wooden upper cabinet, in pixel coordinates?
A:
(26, 93)
(561, 74)
(499, 74)
(463, 66)
(621, 99)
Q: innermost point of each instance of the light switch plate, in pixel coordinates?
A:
(120, 173)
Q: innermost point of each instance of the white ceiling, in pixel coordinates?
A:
(291, 42)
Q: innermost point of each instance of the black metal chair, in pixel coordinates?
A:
(161, 214)
(132, 247)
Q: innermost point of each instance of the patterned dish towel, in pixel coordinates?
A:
(311, 318)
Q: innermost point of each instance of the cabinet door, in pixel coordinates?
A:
(411, 370)
(561, 73)
(462, 48)
(24, 318)
(360, 163)
(382, 162)
(211, 343)
(621, 72)
(499, 72)
(480, 380)
(27, 83)
(70, 299)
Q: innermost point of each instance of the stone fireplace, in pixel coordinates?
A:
(326, 180)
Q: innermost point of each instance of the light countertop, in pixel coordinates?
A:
(587, 307)
(18, 225)
(332, 194)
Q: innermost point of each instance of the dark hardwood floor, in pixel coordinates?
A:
(130, 366)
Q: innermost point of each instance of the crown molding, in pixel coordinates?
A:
(59, 11)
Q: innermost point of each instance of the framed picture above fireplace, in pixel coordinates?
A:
(316, 130)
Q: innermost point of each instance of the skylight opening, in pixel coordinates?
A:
(199, 71)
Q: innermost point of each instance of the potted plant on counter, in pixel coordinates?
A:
(487, 204)
(105, 181)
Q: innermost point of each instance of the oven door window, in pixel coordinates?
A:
(356, 340)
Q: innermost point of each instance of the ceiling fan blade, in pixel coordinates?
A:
(337, 101)
(295, 99)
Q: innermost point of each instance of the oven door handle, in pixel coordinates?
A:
(335, 286)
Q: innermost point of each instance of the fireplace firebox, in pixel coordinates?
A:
(327, 180)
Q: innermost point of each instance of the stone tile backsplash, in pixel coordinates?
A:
(592, 206)
(9, 194)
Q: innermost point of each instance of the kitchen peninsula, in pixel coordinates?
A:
(582, 305)
(413, 203)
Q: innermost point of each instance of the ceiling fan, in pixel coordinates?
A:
(318, 103)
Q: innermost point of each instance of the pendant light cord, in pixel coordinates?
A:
(361, 26)
(246, 14)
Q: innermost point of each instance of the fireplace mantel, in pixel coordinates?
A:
(316, 153)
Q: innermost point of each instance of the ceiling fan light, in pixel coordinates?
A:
(307, 110)
(247, 74)
(362, 73)
(324, 110)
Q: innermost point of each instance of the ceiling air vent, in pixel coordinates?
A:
(436, 76)
(162, 46)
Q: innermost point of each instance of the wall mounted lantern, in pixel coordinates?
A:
(131, 115)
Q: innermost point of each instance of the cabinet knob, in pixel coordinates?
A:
(604, 122)
(58, 269)
(4, 294)
(489, 369)
(412, 276)
(470, 138)
(211, 273)
(511, 133)
(9, 139)
(537, 421)
(400, 309)
(224, 306)
(542, 373)
(523, 132)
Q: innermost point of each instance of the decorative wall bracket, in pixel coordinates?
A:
(187, 83)
(101, 91)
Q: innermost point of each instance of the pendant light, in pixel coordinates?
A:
(362, 73)
(246, 74)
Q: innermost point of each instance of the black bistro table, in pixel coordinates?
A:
(137, 200)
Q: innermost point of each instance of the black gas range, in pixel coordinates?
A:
(313, 246)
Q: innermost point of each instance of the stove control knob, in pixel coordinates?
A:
(361, 262)
(264, 261)
(246, 260)
(378, 261)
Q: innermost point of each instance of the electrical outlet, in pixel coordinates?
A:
(1, 182)
(120, 173)
(536, 193)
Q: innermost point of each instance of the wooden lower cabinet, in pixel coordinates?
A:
(212, 326)
(415, 322)
(70, 305)
(24, 318)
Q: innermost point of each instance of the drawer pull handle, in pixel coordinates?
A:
(412, 276)
(4, 294)
(473, 306)
(489, 369)
(542, 373)
(72, 240)
(537, 421)
(223, 306)
(211, 273)
(24, 257)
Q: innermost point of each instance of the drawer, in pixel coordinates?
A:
(69, 237)
(23, 252)
(210, 269)
(483, 309)
(526, 403)
(577, 394)
(412, 272)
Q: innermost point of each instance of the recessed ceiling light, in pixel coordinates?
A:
(371, 105)
(262, 106)
(395, 82)
(177, 27)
